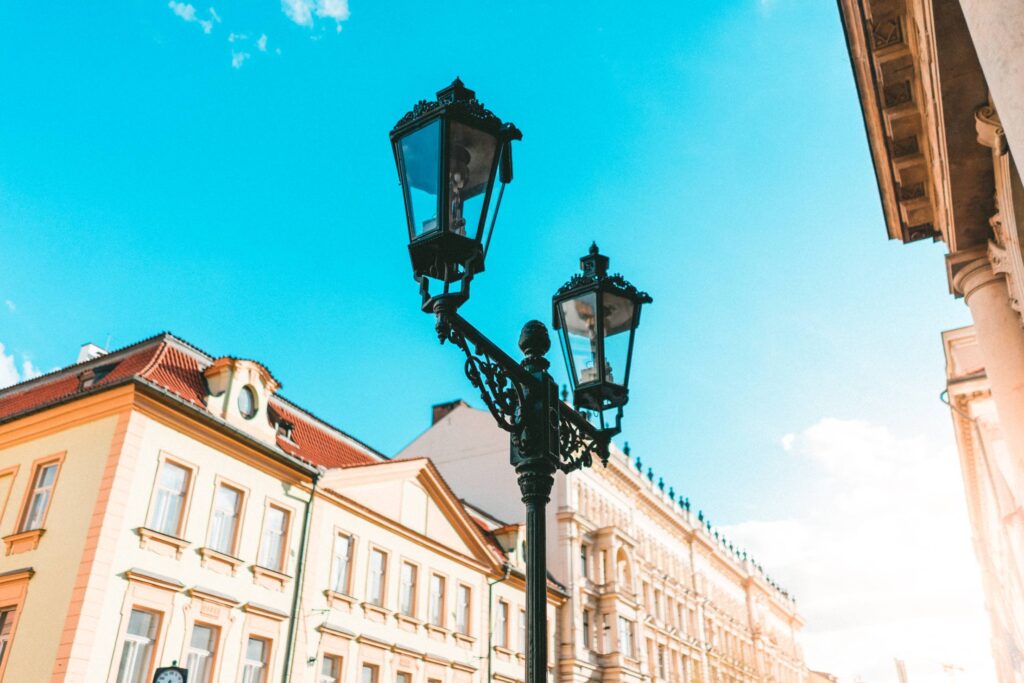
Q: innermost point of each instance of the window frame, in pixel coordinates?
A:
(268, 653)
(243, 498)
(338, 533)
(468, 615)
(124, 636)
(385, 572)
(441, 621)
(414, 598)
(11, 472)
(501, 618)
(339, 662)
(186, 503)
(374, 671)
(26, 502)
(214, 652)
(285, 536)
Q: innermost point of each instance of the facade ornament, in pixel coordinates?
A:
(1005, 248)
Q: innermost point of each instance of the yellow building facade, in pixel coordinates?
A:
(941, 86)
(160, 505)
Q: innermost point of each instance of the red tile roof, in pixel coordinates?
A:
(177, 367)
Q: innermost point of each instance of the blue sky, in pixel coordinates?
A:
(171, 169)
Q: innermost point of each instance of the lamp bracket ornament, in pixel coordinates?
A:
(511, 392)
(486, 369)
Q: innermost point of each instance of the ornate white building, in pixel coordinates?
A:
(654, 593)
(941, 86)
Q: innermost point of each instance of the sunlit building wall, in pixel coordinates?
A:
(941, 86)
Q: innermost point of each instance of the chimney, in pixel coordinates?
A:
(90, 351)
(441, 410)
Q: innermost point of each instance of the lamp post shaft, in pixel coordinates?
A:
(535, 485)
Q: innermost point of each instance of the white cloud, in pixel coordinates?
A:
(10, 306)
(238, 58)
(9, 374)
(881, 558)
(299, 11)
(302, 12)
(232, 37)
(261, 42)
(187, 12)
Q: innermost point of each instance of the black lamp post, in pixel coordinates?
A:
(449, 152)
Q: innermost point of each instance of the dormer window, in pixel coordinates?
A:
(247, 402)
(284, 429)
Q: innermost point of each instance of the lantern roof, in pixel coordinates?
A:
(459, 102)
(594, 275)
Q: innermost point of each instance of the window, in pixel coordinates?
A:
(202, 652)
(275, 532)
(342, 572)
(436, 600)
(39, 500)
(584, 569)
(330, 669)
(247, 403)
(586, 628)
(169, 506)
(501, 628)
(464, 598)
(6, 624)
(368, 674)
(661, 661)
(137, 649)
(403, 677)
(227, 504)
(378, 576)
(254, 669)
(626, 637)
(407, 597)
(522, 630)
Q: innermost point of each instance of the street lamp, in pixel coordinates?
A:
(449, 153)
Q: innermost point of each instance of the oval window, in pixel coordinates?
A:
(247, 402)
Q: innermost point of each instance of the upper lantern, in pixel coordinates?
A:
(597, 315)
(448, 153)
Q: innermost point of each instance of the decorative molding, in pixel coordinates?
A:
(269, 578)
(219, 562)
(24, 541)
(990, 129)
(160, 543)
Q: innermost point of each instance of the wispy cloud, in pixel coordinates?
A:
(9, 373)
(304, 12)
(237, 37)
(238, 59)
(187, 12)
(261, 42)
(881, 558)
(10, 306)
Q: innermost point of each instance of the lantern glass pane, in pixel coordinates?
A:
(579, 327)
(421, 156)
(471, 155)
(618, 326)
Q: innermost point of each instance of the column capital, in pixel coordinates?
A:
(970, 270)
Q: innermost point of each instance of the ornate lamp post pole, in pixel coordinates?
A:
(449, 152)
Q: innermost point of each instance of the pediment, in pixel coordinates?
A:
(413, 494)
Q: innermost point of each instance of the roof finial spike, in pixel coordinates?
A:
(457, 81)
(594, 251)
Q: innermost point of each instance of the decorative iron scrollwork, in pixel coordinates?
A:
(500, 392)
(579, 442)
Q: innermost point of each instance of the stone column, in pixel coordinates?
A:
(997, 31)
(1001, 340)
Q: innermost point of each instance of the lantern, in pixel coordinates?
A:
(596, 316)
(449, 152)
